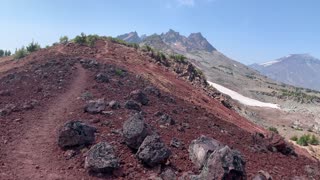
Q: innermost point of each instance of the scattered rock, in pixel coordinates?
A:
(166, 119)
(30, 105)
(8, 109)
(262, 175)
(95, 106)
(134, 131)
(224, 163)
(5, 93)
(94, 121)
(158, 113)
(226, 104)
(101, 158)
(153, 151)
(168, 174)
(69, 154)
(139, 96)
(75, 133)
(152, 91)
(176, 143)
(89, 63)
(108, 113)
(132, 105)
(201, 148)
(114, 105)
(102, 78)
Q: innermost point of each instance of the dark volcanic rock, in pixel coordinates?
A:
(166, 119)
(102, 158)
(150, 90)
(262, 175)
(114, 105)
(176, 143)
(153, 151)
(224, 163)
(201, 148)
(132, 105)
(168, 174)
(95, 106)
(134, 131)
(139, 96)
(75, 133)
(102, 78)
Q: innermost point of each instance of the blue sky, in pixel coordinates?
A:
(246, 30)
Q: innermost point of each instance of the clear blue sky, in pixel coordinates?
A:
(245, 30)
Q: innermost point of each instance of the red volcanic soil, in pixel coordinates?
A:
(56, 84)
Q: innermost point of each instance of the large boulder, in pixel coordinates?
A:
(132, 105)
(135, 131)
(101, 158)
(95, 106)
(139, 96)
(223, 163)
(201, 148)
(75, 133)
(153, 151)
(272, 142)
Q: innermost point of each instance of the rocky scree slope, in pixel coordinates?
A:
(95, 92)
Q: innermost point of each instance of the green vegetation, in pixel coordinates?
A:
(307, 139)
(273, 129)
(33, 46)
(84, 39)
(298, 96)
(118, 72)
(20, 53)
(179, 58)
(80, 39)
(64, 40)
(5, 53)
(294, 138)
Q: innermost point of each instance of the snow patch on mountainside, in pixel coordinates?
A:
(266, 64)
(242, 99)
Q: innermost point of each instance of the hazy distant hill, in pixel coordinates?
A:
(297, 69)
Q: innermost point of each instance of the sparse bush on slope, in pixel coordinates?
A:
(33, 46)
(273, 129)
(20, 53)
(64, 40)
(307, 139)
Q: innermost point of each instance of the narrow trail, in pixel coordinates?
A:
(34, 153)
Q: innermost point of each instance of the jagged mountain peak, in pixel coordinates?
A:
(131, 37)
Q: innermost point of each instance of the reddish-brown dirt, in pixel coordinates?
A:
(57, 81)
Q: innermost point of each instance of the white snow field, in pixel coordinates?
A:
(242, 99)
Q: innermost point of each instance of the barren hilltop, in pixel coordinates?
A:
(101, 108)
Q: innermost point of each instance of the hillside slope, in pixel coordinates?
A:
(44, 90)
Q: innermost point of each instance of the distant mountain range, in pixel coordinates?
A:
(220, 69)
(301, 70)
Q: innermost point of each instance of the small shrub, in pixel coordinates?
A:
(304, 140)
(33, 46)
(118, 72)
(20, 53)
(91, 40)
(314, 140)
(64, 40)
(86, 96)
(273, 129)
(80, 39)
(179, 58)
(294, 138)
